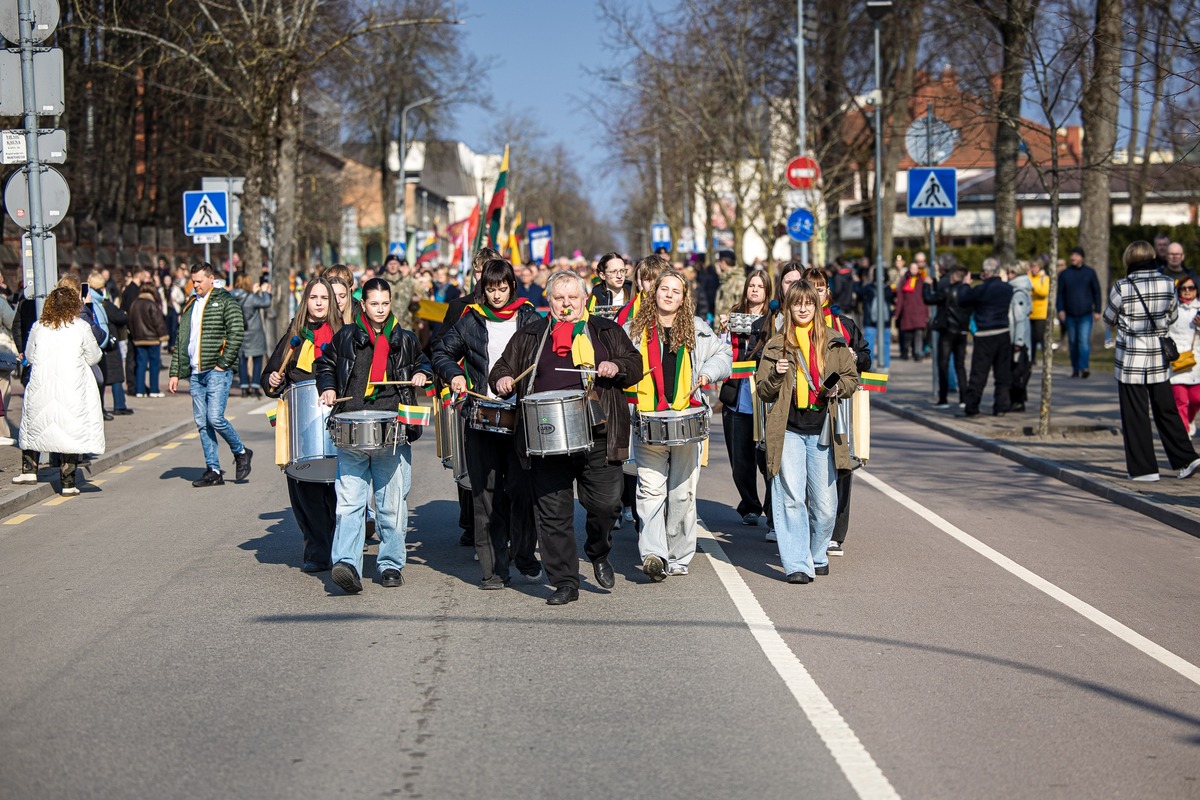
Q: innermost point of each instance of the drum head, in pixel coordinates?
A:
(365, 416)
(553, 396)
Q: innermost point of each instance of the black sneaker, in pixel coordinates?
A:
(392, 578)
(242, 462)
(345, 576)
(210, 478)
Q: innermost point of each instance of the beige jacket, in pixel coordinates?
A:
(771, 386)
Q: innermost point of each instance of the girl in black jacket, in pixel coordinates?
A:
(360, 365)
(314, 503)
(502, 498)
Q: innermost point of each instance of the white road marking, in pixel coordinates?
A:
(855, 762)
(1090, 612)
(265, 407)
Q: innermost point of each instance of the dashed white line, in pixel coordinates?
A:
(1086, 610)
(851, 756)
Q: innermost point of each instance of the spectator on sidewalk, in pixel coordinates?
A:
(912, 315)
(1142, 307)
(253, 299)
(1078, 306)
(9, 364)
(1039, 283)
(952, 322)
(147, 332)
(1175, 269)
(61, 410)
(114, 322)
(989, 302)
(1020, 330)
(733, 282)
(210, 332)
(1185, 379)
(879, 335)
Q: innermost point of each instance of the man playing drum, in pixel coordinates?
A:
(680, 353)
(363, 367)
(503, 500)
(572, 353)
(313, 503)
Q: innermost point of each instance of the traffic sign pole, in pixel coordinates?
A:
(933, 268)
(802, 99)
(34, 169)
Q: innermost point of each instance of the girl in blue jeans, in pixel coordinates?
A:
(804, 370)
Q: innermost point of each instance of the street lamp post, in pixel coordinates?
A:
(877, 10)
(802, 135)
(400, 190)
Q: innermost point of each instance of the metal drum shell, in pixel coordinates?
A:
(673, 428)
(313, 455)
(458, 462)
(556, 422)
(493, 416)
(367, 431)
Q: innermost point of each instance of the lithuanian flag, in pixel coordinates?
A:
(496, 206)
(429, 250)
(873, 381)
(271, 416)
(413, 415)
(742, 369)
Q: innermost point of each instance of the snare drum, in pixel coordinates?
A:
(608, 312)
(494, 416)
(367, 431)
(671, 428)
(313, 456)
(556, 422)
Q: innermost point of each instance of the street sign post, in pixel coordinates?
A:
(55, 198)
(801, 225)
(932, 192)
(660, 236)
(48, 76)
(803, 172)
(205, 212)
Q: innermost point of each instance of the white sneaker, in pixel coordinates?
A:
(5, 441)
(71, 492)
(1191, 430)
(771, 537)
(1153, 476)
(25, 477)
(677, 569)
(157, 394)
(1187, 471)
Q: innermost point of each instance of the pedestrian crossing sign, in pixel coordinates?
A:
(932, 192)
(205, 213)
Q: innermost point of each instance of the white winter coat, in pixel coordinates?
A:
(1184, 333)
(61, 411)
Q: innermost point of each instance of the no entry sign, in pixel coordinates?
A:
(803, 172)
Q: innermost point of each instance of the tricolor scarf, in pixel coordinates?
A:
(910, 283)
(570, 336)
(805, 397)
(835, 322)
(652, 392)
(744, 364)
(497, 314)
(381, 350)
(314, 343)
(630, 310)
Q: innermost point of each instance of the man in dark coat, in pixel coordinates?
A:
(989, 301)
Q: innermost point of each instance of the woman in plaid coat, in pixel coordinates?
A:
(1142, 306)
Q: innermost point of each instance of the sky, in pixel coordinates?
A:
(537, 51)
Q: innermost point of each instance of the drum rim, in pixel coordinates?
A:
(380, 416)
(554, 396)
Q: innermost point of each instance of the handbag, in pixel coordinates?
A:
(1170, 350)
(1186, 360)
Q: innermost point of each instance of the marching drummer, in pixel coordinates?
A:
(364, 364)
(737, 398)
(572, 350)
(680, 353)
(503, 500)
(314, 504)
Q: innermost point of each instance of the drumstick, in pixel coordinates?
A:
(477, 394)
(528, 370)
(392, 383)
(585, 370)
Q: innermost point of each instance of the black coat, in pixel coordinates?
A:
(989, 301)
(112, 366)
(604, 295)
(950, 317)
(405, 359)
(524, 348)
(468, 339)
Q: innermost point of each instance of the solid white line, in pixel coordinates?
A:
(856, 763)
(1121, 631)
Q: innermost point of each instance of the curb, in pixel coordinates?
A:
(1080, 480)
(45, 490)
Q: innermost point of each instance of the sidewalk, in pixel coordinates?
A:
(154, 421)
(1084, 448)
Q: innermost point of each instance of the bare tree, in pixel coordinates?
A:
(1099, 112)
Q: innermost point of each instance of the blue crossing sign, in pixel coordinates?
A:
(801, 225)
(660, 236)
(932, 192)
(205, 213)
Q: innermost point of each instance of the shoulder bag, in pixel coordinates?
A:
(1170, 350)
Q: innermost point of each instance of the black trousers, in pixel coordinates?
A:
(739, 444)
(503, 505)
(466, 510)
(67, 464)
(952, 344)
(315, 507)
(1138, 401)
(599, 485)
(912, 342)
(1038, 330)
(1022, 369)
(993, 354)
(842, 523)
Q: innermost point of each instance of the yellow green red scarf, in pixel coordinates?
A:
(381, 348)
(570, 336)
(805, 398)
(498, 314)
(651, 392)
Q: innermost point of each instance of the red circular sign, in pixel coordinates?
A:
(803, 172)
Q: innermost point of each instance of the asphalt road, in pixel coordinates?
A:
(160, 641)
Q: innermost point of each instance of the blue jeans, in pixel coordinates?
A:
(392, 478)
(804, 496)
(118, 391)
(881, 357)
(149, 360)
(1079, 341)
(250, 371)
(210, 392)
